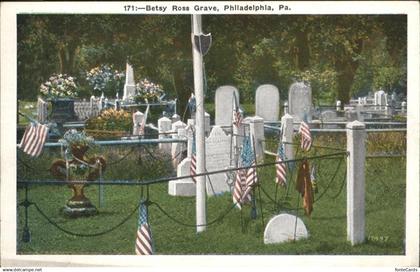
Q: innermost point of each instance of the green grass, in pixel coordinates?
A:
(385, 199)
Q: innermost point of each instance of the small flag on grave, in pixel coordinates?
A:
(280, 168)
(306, 138)
(33, 139)
(193, 165)
(236, 116)
(144, 242)
(237, 189)
(248, 160)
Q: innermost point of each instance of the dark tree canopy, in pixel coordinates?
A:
(339, 55)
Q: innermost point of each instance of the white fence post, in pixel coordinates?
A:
(164, 125)
(287, 136)
(356, 135)
(256, 128)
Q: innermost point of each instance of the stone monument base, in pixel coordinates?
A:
(181, 187)
(77, 208)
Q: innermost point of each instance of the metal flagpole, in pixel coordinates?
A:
(201, 217)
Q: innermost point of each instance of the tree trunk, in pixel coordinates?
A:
(302, 48)
(67, 56)
(346, 67)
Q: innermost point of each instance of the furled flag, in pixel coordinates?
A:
(313, 179)
(248, 160)
(144, 243)
(193, 165)
(33, 139)
(280, 168)
(306, 138)
(236, 115)
(304, 187)
(238, 188)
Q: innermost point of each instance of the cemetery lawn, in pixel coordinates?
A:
(385, 214)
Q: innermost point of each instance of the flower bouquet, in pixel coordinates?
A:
(58, 87)
(105, 79)
(148, 91)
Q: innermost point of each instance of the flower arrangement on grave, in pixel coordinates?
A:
(80, 167)
(59, 86)
(106, 79)
(110, 123)
(148, 91)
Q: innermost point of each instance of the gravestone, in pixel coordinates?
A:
(182, 187)
(300, 101)
(328, 115)
(380, 100)
(130, 85)
(283, 228)
(267, 102)
(164, 126)
(137, 123)
(217, 158)
(224, 105)
(178, 149)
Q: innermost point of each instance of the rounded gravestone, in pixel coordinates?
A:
(224, 104)
(300, 101)
(267, 102)
(283, 228)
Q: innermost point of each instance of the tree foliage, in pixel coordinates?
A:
(339, 55)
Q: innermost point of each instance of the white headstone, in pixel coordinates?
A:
(217, 158)
(267, 102)
(283, 228)
(328, 115)
(207, 123)
(164, 125)
(137, 120)
(130, 85)
(300, 101)
(224, 106)
(182, 187)
(178, 148)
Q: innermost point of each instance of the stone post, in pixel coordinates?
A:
(256, 127)
(177, 148)
(164, 125)
(176, 118)
(403, 107)
(356, 135)
(287, 135)
(190, 122)
(286, 107)
(207, 123)
(137, 120)
(338, 105)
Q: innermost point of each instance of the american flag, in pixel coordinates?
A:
(280, 169)
(33, 139)
(237, 189)
(306, 138)
(250, 180)
(144, 242)
(193, 165)
(236, 117)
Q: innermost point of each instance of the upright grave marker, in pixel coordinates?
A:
(224, 106)
(130, 85)
(267, 102)
(217, 158)
(300, 101)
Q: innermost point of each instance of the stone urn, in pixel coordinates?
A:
(79, 205)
